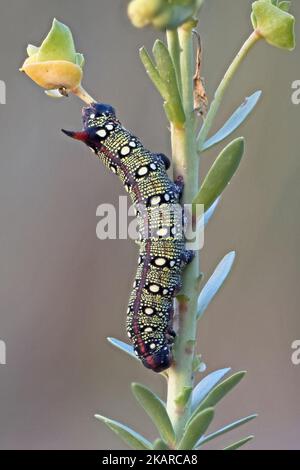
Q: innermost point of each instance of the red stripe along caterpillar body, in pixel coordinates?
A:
(162, 255)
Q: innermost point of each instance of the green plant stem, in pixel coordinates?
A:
(214, 107)
(186, 165)
(82, 94)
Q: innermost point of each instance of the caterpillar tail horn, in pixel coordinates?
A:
(79, 135)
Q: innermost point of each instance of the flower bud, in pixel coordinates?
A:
(274, 23)
(55, 64)
(162, 14)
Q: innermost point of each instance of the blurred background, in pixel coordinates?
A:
(63, 291)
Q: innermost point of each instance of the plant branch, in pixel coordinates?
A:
(82, 94)
(214, 107)
(185, 146)
(186, 165)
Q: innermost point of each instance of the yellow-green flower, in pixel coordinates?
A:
(55, 64)
(272, 20)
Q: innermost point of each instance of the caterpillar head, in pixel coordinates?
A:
(160, 360)
(93, 117)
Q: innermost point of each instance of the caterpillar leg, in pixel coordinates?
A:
(179, 185)
(159, 361)
(187, 257)
(178, 288)
(170, 337)
(165, 160)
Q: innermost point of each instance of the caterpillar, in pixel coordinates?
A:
(162, 252)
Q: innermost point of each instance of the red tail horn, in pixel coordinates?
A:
(80, 135)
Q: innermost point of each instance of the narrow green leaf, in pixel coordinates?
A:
(169, 111)
(234, 122)
(165, 65)
(205, 386)
(126, 348)
(195, 429)
(156, 410)
(215, 283)
(219, 392)
(239, 444)
(166, 70)
(164, 79)
(220, 173)
(225, 430)
(130, 437)
(159, 444)
(153, 72)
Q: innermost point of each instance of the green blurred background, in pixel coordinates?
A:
(63, 291)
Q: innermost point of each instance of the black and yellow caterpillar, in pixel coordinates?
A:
(162, 255)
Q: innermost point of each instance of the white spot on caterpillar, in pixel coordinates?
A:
(142, 171)
(92, 116)
(172, 263)
(152, 346)
(154, 288)
(160, 262)
(165, 291)
(132, 144)
(101, 133)
(109, 127)
(155, 200)
(162, 232)
(153, 166)
(167, 197)
(125, 150)
(149, 311)
(148, 329)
